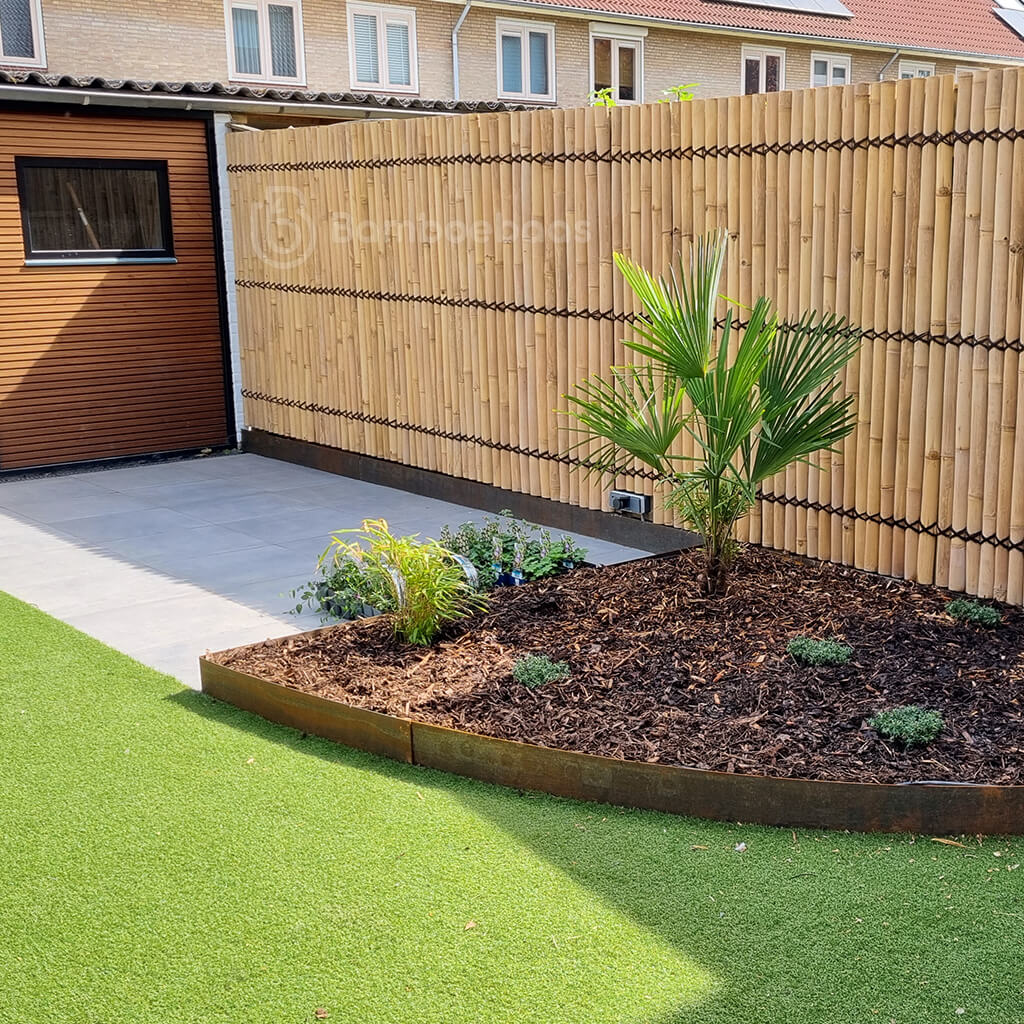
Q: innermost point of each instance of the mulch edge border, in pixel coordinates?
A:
(929, 808)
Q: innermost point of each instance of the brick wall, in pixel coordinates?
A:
(151, 39)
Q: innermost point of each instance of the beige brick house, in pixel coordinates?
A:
(526, 51)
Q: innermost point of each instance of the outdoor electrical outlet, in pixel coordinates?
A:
(627, 501)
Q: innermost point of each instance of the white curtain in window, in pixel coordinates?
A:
(282, 41)
(246, 28)
(399, 64)
(365, 39)
(16, 36)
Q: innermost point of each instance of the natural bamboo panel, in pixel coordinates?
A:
(425, 291)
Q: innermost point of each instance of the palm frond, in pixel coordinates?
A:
(638, 412)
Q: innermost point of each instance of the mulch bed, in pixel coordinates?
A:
(662, 674)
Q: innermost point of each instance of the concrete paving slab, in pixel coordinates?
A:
(168, 560)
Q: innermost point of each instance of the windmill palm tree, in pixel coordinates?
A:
(776, 400)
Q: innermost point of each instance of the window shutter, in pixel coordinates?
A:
(364, 28)
(399, 64)
(246, 28)
(283, 63)
(511, 64)
(16, 34)
(539, 64)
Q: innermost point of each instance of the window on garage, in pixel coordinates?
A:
(96, 211)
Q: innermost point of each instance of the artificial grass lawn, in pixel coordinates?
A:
(166, 858)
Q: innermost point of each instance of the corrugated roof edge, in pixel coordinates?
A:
(41, 80)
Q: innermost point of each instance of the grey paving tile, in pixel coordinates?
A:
(122, 525)
(225, 508)
(286, 525)
(138, 478)
(47, 488)
(63, 506)
(165, 550)
(273, 597)
(228, 570)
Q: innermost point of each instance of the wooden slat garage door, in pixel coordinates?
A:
(104, 361)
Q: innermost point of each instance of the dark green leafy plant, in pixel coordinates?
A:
(910, 725)
(809, 651)
(964, 610)
(537, 669)
(508, 543)
(420, 582)
(342, 590)
(751, 405)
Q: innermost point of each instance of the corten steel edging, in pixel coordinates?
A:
(355, 727)
(753, 799)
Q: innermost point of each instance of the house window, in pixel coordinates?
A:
(764, 70)
(830, 69)
(94, 211)
(916, 69)
(265, 40)
(616, 61)
(526, 52)
(382, 47)
(21, 33)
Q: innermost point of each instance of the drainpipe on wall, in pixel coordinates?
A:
(455, 49)
(888, 64)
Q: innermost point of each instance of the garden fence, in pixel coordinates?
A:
(425, 291)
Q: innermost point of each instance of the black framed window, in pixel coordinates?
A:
(82, 210)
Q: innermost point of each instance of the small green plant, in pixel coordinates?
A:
(420, 582)
(809, 651)
(964, 610)
(502, 544)
(342, 590)
(537, 669)
(602, 98)
(910, 725)
(679, 93)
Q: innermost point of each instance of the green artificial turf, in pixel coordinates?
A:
(166, 859)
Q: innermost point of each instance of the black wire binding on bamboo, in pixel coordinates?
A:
(665, 153)
(501, 306)
(914, 526)
(562, 458)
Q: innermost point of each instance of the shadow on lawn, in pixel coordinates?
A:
(744, 918)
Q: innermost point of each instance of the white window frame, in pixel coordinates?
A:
(509, 27)
(912, 67)
(39, 60)
(385, 14)
(833, 60)
(618, 35)
(263, 18)
(760, 52)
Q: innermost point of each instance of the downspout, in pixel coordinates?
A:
(455, 49)
(888, 64)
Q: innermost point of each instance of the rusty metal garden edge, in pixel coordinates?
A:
(861, 807)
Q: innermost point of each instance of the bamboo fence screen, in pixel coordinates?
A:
(425, 291)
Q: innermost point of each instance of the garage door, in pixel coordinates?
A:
(110, 328)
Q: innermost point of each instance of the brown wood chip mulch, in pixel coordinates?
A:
(660, 673)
